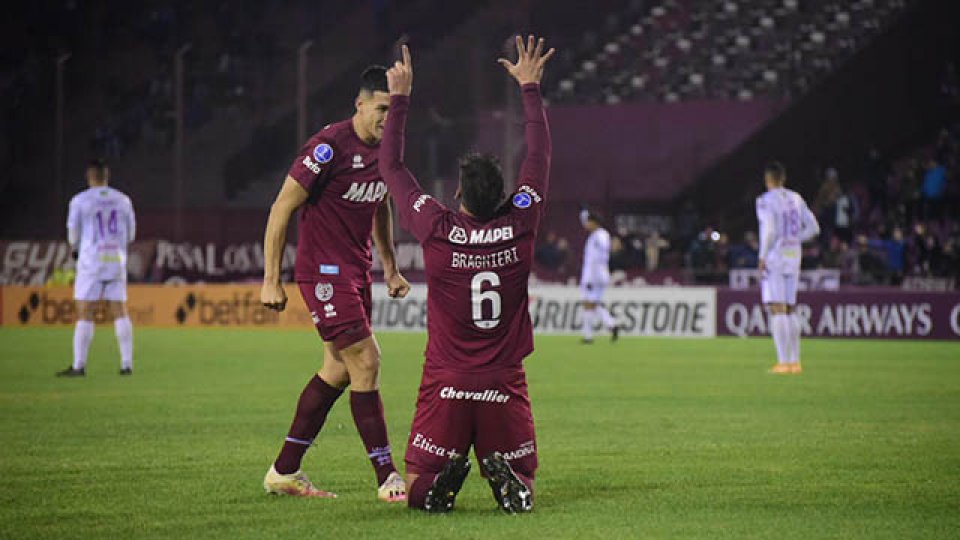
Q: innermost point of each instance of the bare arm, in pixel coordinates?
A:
(291, 196)
(397, 286)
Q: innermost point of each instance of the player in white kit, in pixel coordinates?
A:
(594, 277)
(100, 225)
(785, 223)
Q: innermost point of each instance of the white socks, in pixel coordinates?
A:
(589, 318)
(794, 326)
(123, 328)
(606, 318)
(780, 330)
(82, 336)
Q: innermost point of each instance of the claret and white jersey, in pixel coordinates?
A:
(785, 223)
(595, 274)
(100, 224)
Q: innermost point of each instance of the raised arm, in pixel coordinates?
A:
(417, 211)
(528, 70)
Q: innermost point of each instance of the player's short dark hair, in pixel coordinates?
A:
(776, 170)
(100, 165)
(374, 79)
(481, 184)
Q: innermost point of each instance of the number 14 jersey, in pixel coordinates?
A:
(101, 219)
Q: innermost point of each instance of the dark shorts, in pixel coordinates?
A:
(340, 310)
(489, 411)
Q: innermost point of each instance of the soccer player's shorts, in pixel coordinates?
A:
(779, 288)
(593, 292)
(340, 310)
(88, 287)
(489, 411)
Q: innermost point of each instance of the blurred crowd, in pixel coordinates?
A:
(892, 219)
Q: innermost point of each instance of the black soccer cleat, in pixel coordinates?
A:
(586, 341)
(447, 485)
(512, 495)
(126, 371)
(614, 333)
(70, 372)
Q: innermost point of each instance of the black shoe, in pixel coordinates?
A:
(512, 495)
(70, 372)
(126, 371)
(447, 485)
(614, 333)
(586, 341)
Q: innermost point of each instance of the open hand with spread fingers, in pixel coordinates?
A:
(400, 76)
(530, 60)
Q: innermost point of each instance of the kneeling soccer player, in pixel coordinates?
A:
(478, 260)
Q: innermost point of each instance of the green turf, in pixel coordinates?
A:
(641, 439)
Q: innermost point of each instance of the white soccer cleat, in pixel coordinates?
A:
(393, 489)
(296, 484)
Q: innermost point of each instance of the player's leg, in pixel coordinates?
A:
(315, 402)
(606, 320)
(348, 328)
(86, 292)
(115, 293)
(506, 444)
(772, 292)
(440, 439)
(588, 313)
(793, 322)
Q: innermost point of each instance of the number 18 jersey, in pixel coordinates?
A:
(785, 223)
(102, 219)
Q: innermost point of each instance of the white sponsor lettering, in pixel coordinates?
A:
(484, 261)
(955, 319)
(427, 445)
(310, 164)
(525, 450)
(366, 192)
(532, 192)
(485, 396)
(418, 204)
(491, 236)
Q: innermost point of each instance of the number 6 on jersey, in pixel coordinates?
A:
(479, 296)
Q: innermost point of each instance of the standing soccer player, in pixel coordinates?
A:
(594, 277)
(785, 223)
(335, 183)
(100, 226)
(477, 261)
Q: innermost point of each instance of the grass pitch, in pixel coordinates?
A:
(647, 438)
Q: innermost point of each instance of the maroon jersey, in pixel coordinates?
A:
(340, 173)
(477, 271)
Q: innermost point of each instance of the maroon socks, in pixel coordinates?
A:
(315, 402)
(417, 495)
(368, 416)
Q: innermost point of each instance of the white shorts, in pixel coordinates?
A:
(89, 288)
(593, 292)
(779, 288)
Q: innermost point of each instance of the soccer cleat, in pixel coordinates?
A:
(393, 489)
(586, 341)
(614, 333)
(296, 484)
(447, 485)
(70, 372)
(126, 371)
(781, 369)
(512, 495)
(796, 369)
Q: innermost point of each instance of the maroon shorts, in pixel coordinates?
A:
(489, 411)
(340, 310)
